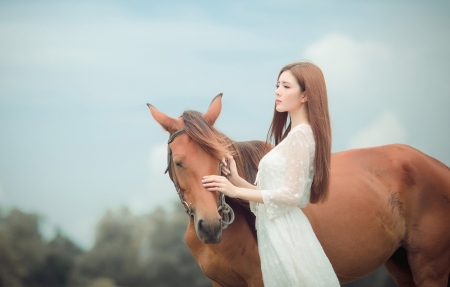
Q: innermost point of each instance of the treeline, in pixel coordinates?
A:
(129, 250)
(26, 260)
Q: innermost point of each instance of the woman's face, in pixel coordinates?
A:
(289, 96)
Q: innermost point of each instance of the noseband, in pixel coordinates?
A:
(223, 208)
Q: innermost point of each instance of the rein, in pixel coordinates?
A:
(225, 211)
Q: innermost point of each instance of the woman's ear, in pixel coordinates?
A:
(303, 97)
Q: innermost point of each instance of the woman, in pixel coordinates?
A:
(294, 173)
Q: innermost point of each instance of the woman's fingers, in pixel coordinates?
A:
(225, 171)
(213, 182)
(226, 168)
(213, 186)
(212, 179)
(209, 178)
(218, 183)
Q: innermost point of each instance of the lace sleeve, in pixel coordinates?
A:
(298, 157)
(254, 205)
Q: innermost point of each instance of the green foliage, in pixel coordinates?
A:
(147, 250)
(59, 261)
(25, 259)
(21, 248)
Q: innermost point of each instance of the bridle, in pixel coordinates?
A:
(225, 211)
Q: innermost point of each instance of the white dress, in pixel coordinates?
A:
(290, 253)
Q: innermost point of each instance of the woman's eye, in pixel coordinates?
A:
(286, 87)
(178, 164)
(277, 86)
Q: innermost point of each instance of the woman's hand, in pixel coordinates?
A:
(231, 170)
(219, 183)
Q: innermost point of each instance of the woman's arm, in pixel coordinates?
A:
(250, 194)
(244, 184)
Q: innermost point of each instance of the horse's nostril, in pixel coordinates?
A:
(200, 224)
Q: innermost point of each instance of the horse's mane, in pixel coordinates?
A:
(246, 154)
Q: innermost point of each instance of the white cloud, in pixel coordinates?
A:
(158, 159)
(346, 62)
(386, 129)
(160, 189)
(140, 204)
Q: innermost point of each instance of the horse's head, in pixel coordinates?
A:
(197, 153)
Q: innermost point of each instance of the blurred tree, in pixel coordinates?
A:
(60, 257)
(113, 254)
(147, 250)
(22, 250)
(26, 260)
(165, 252)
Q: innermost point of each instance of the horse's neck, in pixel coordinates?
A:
(245, 212)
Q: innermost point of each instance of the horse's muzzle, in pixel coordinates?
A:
(209, 231)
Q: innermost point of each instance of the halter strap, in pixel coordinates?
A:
(175, 134)
(169, 151)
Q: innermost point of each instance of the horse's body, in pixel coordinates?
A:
(387, 205)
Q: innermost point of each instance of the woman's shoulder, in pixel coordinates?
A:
(301, 128)
(302, 131)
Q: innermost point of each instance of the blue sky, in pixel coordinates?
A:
(75, 76)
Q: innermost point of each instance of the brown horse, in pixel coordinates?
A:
(387, 205)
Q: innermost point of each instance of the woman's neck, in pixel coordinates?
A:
(299, 116)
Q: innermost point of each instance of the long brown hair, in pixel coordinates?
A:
(311, 80)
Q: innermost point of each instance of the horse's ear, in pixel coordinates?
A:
(214, 109)
(168, 123)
